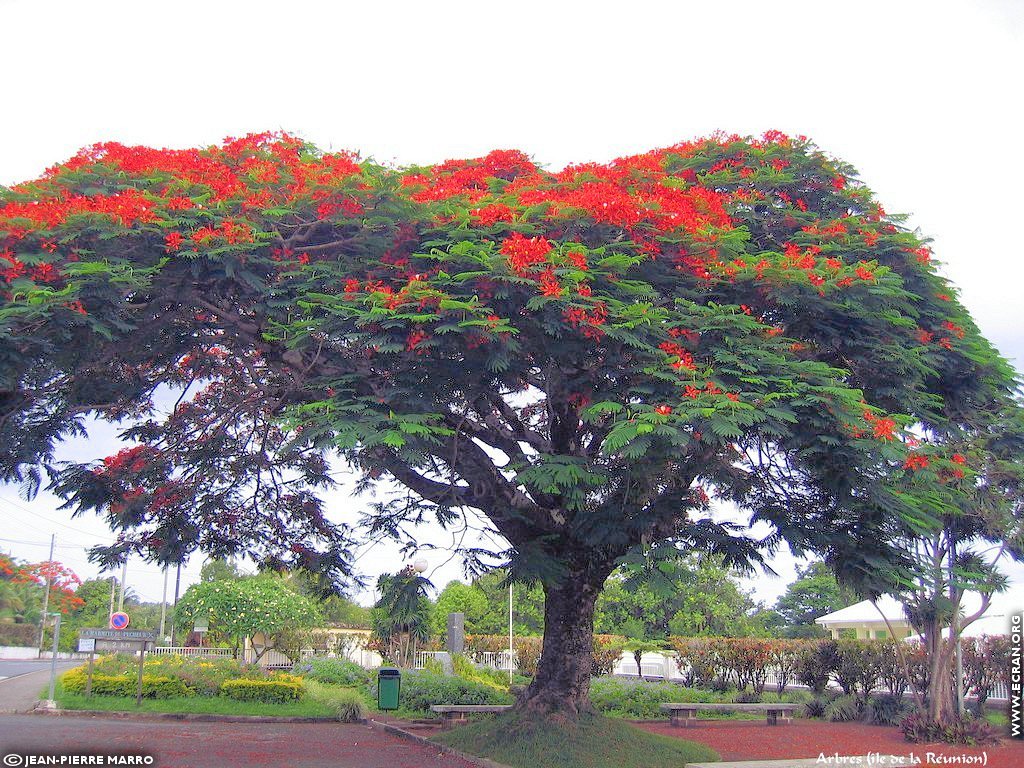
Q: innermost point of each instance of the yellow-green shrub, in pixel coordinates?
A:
(465, 669)
(153, 686)
(276, 690)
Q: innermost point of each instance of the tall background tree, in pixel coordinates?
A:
(815, 593)
(587, 358)
(978, 503)
(690, 596)
(260, 611)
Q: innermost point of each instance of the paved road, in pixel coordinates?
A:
(175, 744)
(15, 667)
(19, 692)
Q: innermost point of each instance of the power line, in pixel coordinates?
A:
(43, 544)
(43, 518)
(73, 547)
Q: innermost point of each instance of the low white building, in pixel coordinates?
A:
(864, 620)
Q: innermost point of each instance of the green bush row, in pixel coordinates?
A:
(153, 686)
(20, 635)
(169, 678)
(272, 691)
(334, 671)
(640, 700)
(205, 676)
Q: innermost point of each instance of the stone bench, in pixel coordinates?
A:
(686, 714)
(459, 712)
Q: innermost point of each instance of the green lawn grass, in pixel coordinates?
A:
(593, 742)
(998, 718)
(319, 702)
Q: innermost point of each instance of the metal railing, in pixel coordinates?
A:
(500, 660)
(422, 657)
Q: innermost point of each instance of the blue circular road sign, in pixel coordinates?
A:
(118, 620)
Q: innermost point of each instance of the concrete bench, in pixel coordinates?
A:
(686, 714)
(459, 712)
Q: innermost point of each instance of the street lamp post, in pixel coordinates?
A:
(419, 565)
(510, 633)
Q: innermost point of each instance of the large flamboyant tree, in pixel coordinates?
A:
(584, 357)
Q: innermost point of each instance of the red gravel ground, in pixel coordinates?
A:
(176, 744)
(754, 740)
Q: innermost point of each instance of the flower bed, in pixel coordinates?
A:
(174, 676)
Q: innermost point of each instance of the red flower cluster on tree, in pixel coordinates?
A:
(62, 583)
(915, 461)
(882, 428)
(490, 215)
(523, 253)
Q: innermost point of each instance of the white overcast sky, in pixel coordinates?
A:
(923, 97)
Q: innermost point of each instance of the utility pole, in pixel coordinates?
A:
(113, 583)
(177, 589)
(50, 703)
(46, 596)
(163, 605)
(510, 633)
(124, 577)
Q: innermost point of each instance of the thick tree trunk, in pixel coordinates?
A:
(561, 687)
(941, 700)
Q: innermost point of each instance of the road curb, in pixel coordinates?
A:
(483, 762)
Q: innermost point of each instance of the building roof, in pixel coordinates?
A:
(866, 611)
(994, 622)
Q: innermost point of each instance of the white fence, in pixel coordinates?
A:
(423, 657)
(502, 660)
(22, 652)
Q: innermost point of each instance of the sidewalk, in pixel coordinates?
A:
(20, 694)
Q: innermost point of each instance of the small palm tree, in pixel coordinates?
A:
(639, 648)
(401, 618)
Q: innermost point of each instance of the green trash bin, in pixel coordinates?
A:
(389, 683)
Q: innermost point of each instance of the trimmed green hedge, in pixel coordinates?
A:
(334, 671)
(640, 700)
(274, 690)
(19, 635)
(153, 686)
